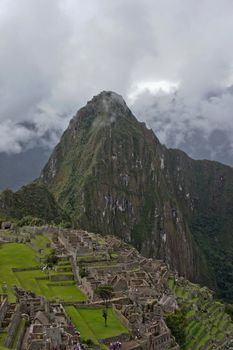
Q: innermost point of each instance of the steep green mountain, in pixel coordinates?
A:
(110, 174)
(113, 176)
(34, 200)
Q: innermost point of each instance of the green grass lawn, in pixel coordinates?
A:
(95, 321)
(21, 255)
(80, 324)
(14, 255)
(66, 293)
(90, 323)
(40, 287)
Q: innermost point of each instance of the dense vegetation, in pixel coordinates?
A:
(176, 322)
(32, 204)
(201, 322)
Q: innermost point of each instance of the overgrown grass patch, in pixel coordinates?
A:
(42, 243)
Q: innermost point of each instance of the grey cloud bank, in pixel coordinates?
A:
(55, 55)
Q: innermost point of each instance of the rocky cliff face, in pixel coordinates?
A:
(204, 191)
(111, 174)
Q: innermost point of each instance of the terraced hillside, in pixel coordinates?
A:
(206, 325)
(149, 307)
(21, 265)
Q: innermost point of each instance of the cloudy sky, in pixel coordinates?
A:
(172, 61)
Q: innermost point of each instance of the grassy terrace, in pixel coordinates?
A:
(91, 258)
(90, 323)
(205, 319)
(21, 255)
(41, 244)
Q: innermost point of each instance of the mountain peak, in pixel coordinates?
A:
(109, 98)
(102, 110)
(108, 104)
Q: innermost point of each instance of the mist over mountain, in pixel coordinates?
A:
(181, 122)
(176, 123)
(171, 62)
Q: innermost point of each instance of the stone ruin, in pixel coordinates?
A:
(46, 326)
(140, 294)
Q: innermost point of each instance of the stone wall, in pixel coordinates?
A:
(61, 277)
(114, 268)
(75, 269)
(20, 337)
(41, 278)
(90, 306)
(12, 327)
(86, 288)
(31, 268)
(121, 317)
(162, 341)
(75, 303)
(40, 229)
(3, 310)
(121, 337)
(61, 284)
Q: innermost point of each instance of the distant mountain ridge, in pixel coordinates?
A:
(112, 175)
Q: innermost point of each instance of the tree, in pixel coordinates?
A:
(176, 322)
(105, 293)
(83, 272)
(105, 316)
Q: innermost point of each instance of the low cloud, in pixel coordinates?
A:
(201, 127)
(55, 55)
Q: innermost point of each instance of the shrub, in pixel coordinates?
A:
(30, 221)
(176, 323)
(51, 259)
(89, 342)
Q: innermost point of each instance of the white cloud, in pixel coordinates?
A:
(56, 54)
(153, 87)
